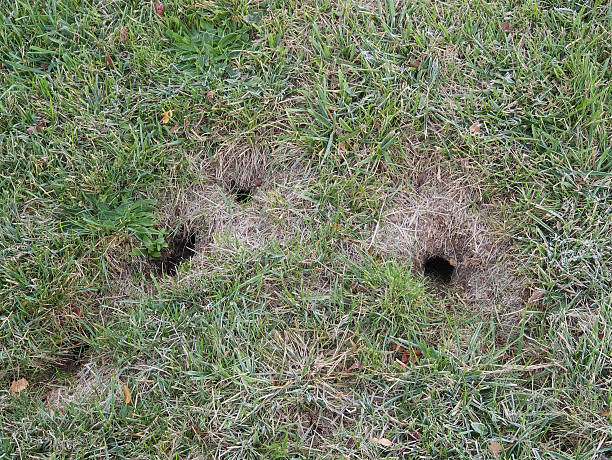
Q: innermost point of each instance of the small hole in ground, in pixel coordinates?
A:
(438, 268)
(180, 248)
(242, 194)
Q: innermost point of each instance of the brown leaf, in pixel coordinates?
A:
(123, 35)
(342, 147)
(411, 356)
(356, 365)
(197, 430)
(382, 441)
(18, 386)
(36, 129)
(535, 297)
(350, 443)
(421, 178)
(109, 61)
(506, 27)
(475, 128)
(495, 448)
(166, 117)
(77, 311)
(127, 394)
(159, 8)
(258, 182)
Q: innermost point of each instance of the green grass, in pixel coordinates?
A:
(280, 338)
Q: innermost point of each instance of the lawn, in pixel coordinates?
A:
(271, 229)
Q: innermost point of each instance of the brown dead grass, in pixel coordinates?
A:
(444, 216)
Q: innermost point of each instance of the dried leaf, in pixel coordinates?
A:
(109, 61)
(36, 129)
(411, 356)
(356, 365)
(166, 116)
(382, 441)
(342, 147)
(77, 311)
(18, 386)
(506, 27)
(258, 182)
(159, 8)
(535, 297)
(350, 443)
(421, 178)
(475, 128)
(495, 448)
(123, 35)
(127, 394)
(197, 430)
(606, 413)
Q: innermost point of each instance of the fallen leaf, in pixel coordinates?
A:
(421, 179)
(258, 182)
(36, 129)
(18, 386)
(350, 443)
(166, 116)
(382, 441)
(159, 8)
(475, 128)
(109, 61)
(356, 365)
(123, 35)
(411, 356)
(506, 27)
(535, 297)
(197, 430)
(342, 147)
(452, 261)
(495, 448)
(77, 311)
(606, 413)
(127, 394)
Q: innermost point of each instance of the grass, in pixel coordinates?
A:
(370, 134)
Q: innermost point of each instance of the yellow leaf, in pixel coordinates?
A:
(126, 394)
(495, 448)
(18, 386)
(382, 441)
(167, 115)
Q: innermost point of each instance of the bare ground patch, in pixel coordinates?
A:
(444, 233)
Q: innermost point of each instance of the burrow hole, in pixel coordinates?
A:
(241, 194)
(181, 246)
(438, 268)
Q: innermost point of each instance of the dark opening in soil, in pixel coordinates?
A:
(71, 360)
(243, 195)
(180, 247)
(438, 268)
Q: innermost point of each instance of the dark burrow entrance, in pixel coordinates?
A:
(242, 194)
(181, 246)
(438, 268)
